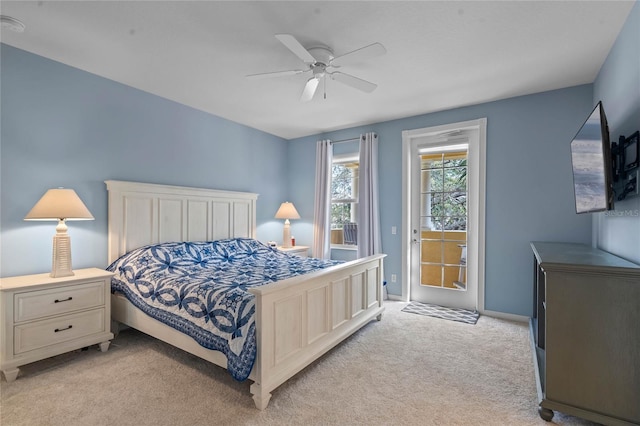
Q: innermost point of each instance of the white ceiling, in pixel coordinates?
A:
(440, 54)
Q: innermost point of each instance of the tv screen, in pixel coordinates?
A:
(592, 166)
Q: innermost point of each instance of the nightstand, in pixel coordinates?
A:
(43, 316)
(301, 251)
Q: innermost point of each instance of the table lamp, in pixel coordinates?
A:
(60, 204)
(287, 211)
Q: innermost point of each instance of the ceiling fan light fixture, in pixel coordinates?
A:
(319, 70)
(309, 89)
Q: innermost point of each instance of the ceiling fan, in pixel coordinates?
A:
(321, 63)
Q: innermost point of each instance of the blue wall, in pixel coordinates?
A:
(529, 192)
(618, 86)
(65, 127)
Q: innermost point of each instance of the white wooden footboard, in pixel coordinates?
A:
(301, 318)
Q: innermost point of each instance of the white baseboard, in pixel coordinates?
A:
(504, 315)
(395, 297)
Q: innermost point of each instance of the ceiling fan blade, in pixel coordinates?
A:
(274, 74)
(298, 49)
(309, 89)
(355, 82)
(370, 51)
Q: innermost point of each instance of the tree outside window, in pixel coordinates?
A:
(446, 194)
(344, 197)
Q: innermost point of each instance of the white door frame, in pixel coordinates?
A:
(477, 185)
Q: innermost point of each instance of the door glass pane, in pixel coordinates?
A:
(431, 275)
(452, 251)
(431, 223)
(451, 274)
(431, 251)
(443, 220)
(455, 179)
(453, 204)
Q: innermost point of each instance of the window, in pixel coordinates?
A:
(344, 200)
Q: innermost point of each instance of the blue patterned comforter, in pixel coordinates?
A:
(200, 289)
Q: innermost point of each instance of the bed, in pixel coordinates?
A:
(297, 319)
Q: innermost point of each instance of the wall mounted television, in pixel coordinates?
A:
(592, 164)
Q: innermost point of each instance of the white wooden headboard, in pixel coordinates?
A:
(144, 213)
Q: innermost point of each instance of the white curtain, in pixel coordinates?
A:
(322, 208)
(369, 240)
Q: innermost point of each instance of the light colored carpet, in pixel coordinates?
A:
(404, 370)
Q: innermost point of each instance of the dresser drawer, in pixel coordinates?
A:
(44, 303)
(38, 334)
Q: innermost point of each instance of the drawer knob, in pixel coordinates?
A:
(63, 300)
(62, 329)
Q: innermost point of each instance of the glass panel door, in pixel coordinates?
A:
(440, 224)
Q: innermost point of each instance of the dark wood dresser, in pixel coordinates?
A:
(585, 333)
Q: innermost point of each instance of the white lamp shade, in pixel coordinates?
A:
(287, 211)
(59, 203)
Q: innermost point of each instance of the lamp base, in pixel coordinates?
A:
(61, 259)
(286, 235)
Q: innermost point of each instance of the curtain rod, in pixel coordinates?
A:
(349, 140)
(346, 140)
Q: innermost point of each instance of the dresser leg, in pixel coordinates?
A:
(104, 346)
(545, 414)
(11, 374)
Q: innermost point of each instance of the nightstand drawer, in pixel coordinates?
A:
(43, 333)
(44, 303)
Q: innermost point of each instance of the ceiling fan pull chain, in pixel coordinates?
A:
(325, 87)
